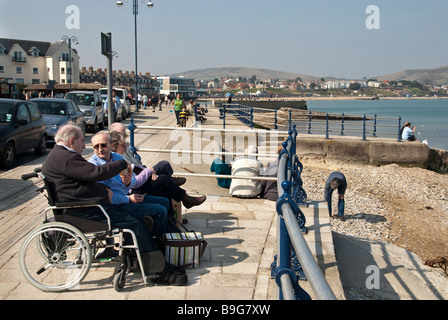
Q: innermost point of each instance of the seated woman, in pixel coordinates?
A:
(148, 182)
(407, 132)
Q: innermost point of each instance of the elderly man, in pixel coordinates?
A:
(72, 178)
(135, 205)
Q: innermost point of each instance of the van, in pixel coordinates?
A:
(91, 104)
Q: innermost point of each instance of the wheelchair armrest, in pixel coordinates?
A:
(81, 202)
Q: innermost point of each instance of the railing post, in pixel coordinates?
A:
(290, 118)
(374, 126)
(326, 130)
(223, 116)
(196, 115)
(399, 128)
(251, 118)
(309, 123)
(342, 124)
(275, 120)
(364, 129)
(131, 128)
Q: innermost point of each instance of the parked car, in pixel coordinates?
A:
(118, 115)
(91, 104)
(22, 127)
(57, 112)
(122, 93)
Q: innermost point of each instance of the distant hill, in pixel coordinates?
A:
(212, 73)
(435, 76)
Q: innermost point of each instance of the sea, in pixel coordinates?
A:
(429, 116)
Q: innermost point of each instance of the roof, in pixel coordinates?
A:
(45, 48)
(26, 45)
(65, 86)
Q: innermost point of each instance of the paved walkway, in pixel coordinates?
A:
(241, 234)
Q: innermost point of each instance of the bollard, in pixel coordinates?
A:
(364, 129)
(342, 124)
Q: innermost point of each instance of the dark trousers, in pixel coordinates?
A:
(165, 187)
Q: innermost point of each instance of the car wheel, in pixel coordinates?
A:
(42, 146)
(8, 156)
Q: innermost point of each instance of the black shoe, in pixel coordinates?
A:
(108, 253)
(179, 181)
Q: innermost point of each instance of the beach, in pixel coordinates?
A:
(407, 207)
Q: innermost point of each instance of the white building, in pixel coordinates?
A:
(37, 62)
(174, 85)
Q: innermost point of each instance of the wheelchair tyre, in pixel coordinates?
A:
(55, 257)
(120, 280)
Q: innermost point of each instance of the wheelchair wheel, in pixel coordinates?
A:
(55, 257)
(121, 270)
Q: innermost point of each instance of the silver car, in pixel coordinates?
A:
(91, 104)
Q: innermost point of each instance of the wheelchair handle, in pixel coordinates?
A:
(27, 176)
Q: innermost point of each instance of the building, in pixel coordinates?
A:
(37, 62)
(146, 84)
(174, 85)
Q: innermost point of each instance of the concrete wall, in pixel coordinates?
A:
(373, 152)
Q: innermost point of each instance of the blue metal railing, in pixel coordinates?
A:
(345, 125)
(294, 261)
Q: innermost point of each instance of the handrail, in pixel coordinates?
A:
(246, 114)
(289, 233)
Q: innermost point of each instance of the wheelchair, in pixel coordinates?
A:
(58, 254)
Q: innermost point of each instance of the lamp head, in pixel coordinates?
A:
(119, 3)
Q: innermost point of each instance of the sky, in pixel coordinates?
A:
(322, 38)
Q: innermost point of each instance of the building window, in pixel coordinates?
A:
(18, 69)
(35, 70)
(65, 57)
(62, 70)
(2, 69)
(18, 56)
(35, 81)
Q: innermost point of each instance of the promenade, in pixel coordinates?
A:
(241, 236)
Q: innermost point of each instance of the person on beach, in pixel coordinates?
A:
(336, 180)
(407, 132)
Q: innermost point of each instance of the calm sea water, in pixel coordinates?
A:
(429, 116)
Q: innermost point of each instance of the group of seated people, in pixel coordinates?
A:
(247, 166)
(134, 197)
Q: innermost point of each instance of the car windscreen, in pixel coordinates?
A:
(85, 99)
(48, 107)
(6, 112)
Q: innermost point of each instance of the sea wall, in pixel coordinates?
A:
(412, 154)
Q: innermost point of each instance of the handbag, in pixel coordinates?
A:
(184, 248)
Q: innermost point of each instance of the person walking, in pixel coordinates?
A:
(178, 104)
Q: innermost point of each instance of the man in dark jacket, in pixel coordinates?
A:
(72, 178)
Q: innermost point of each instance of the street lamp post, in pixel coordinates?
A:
(75, 41)
(135, 13)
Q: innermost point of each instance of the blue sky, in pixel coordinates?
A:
(317, 37)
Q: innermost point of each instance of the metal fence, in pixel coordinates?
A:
(294, 254)
(310, 122)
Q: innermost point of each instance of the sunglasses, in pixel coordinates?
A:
(102, 145)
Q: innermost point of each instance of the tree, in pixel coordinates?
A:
(355, 86)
